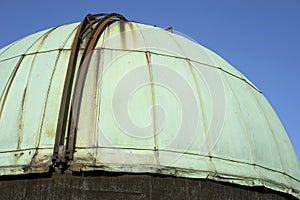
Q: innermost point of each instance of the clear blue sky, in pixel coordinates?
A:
(259, 38)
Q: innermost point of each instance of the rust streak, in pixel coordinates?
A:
(21, 119)
(148, 58)
(46, 100)
(122, 32)
(133, 34)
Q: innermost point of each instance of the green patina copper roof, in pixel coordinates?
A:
(149, 101)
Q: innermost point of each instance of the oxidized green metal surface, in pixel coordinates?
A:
(152, 101)
(32, 72)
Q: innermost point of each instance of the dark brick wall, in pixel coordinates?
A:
(125, 186)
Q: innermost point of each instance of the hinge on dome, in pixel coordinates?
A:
(70, 104)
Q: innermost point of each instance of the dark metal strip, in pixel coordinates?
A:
(65, 101)
(80, 80)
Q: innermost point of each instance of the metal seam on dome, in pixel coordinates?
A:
(99, 81)
(47, 95)
(51, 79)
(37, 52)
(27, 149)
(199, 93)
(33, 53)
(34, 41)
(194, 154)
(146, 47)
(29, 74)
(272, 132)
(191, 69)
(149, 69)
(16, 68)
(8, 85)
(100, 62)
(7, 47)
(213, 157)
(184, 58)
(141, 51)
(205, 124)
(130, 50)
(243, 121)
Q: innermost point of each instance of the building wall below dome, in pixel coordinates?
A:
(125, 186)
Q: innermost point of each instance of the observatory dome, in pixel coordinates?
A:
(120, 96)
